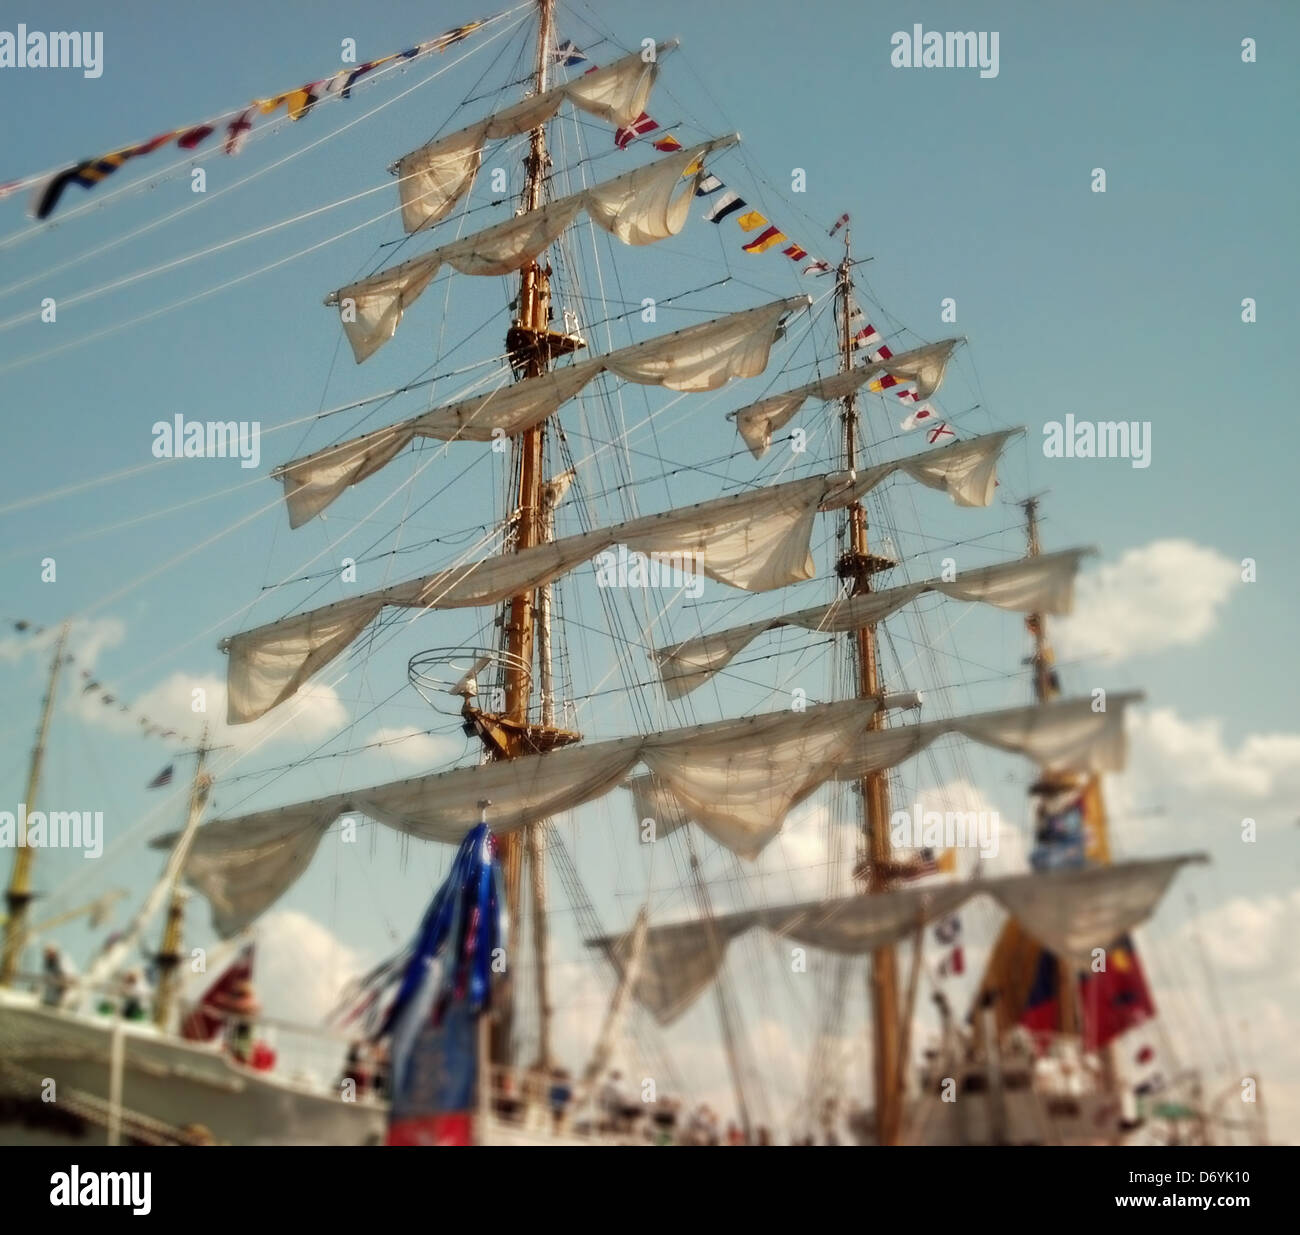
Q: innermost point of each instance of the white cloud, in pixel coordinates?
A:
(87, 638)
(1162, 595)
(301, 967)
(1247, 935)
(409, 744)
(314, 712)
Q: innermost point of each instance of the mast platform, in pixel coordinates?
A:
(506, 738)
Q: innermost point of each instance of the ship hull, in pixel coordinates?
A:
(168, 1085)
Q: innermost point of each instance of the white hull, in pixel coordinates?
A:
(165, 1079)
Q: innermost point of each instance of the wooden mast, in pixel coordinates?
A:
(1047, 688)
(858, 564)
(18, 897)
(527, 344)
(169, 953)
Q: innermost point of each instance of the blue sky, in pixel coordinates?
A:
(1123, 305)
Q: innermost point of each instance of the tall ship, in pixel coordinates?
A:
(668, 656)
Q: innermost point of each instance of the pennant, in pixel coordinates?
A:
(765, 240)
(163, 778)
(237, 131)
(154, 143)
(639, 127)
(195, 136)
(87, 174)
(667, 143)
(844, 218)
(727, 204)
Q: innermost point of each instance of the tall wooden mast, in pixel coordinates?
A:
(528, 343)
(18, 897)
(858, 564)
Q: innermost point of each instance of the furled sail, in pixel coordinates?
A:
(755, 769)
(1067, 735)
(435, 177)
(925, 366)
(1069, 911)
(1042, 584)
(696, 358)
(757, 541)
(243, 865)
(639, 207)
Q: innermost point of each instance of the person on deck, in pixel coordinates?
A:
(559, 1096)
(135, 997)
(57, 970)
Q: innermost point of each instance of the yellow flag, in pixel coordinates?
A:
(751, 221)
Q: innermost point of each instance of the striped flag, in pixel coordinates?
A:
(727, 204)
(844, 218)
(163, 778)
(765, 240)
(710, 184)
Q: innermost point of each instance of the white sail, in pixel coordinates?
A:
(757, 541)
(1042, 584)
(243, 865)
(1069, 912)
(435, 177)
(758, 766)
(639, 207)
(925, 366)
(701, 357)
(1066, 735)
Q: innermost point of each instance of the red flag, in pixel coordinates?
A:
(1116, 999)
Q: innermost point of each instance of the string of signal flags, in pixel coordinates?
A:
(236, 124)
(92, 686)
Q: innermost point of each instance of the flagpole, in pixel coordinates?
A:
(169, 954)
(19, 894)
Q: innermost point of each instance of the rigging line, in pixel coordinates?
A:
(127, 473)
(94, 532)
(202, 295)
(127, 280)
(329, 548)
(266, 130)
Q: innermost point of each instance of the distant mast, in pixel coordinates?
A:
(858, 564)
(19, 894)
